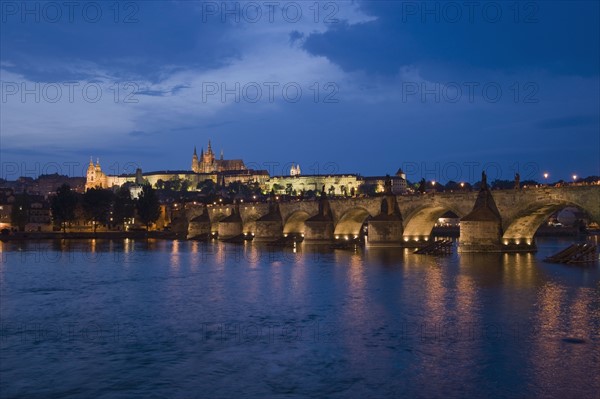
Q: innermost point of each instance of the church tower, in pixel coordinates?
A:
(91, 175)
(295, 170)
(195, 162)
(207, 160)
(95, 177)
(209, 156)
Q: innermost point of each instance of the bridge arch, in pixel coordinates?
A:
(420, 223)
(351, 222)
(294, 224)
(522, 228)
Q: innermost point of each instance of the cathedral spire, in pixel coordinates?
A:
(195, 151)
(221, 155)
(209, 149)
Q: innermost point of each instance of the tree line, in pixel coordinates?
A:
(104, 207)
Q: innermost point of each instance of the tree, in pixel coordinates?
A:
(147, 206)
(277, 188)
(173, 183)
(19, 215)
(96, 205)
(185, 185)
(502, 184)
(124, 206)
(63, 206)
(207, 187)
(368, 189)
(160, 184)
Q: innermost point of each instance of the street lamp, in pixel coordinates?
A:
(574, 178)
(546, 177)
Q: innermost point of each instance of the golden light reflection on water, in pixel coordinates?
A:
(519, 270)
(565, 328)
(175, 258)
(252, 254)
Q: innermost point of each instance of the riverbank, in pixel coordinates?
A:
(84, 235)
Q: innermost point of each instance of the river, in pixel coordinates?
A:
(183, 319)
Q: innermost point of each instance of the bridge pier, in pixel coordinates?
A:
(320, 228)
(232, 225)
(270, 226)
(199, 227)
(481, 229)
(383, 233)
(386, 229)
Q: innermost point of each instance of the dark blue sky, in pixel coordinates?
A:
(440, 88)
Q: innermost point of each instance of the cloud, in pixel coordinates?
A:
(295, 36)
(561, 37)
(138, 133)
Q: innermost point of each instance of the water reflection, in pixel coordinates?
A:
(564, 340)
(388, 322)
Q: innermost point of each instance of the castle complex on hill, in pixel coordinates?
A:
(208, 164)
(223, 172)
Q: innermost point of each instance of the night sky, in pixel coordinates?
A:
(441, 89)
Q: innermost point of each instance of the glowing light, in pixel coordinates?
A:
(462, 184)
(405, 239)
(505, 242)
(574, 177)
(337, 237)
(347, 238)
(285, 235)
(355, 236)
(546, 175)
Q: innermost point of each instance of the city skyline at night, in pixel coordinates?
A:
(280, 85)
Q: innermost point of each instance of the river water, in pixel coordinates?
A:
(180, 319)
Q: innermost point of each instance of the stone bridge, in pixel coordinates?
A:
(521, 212)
